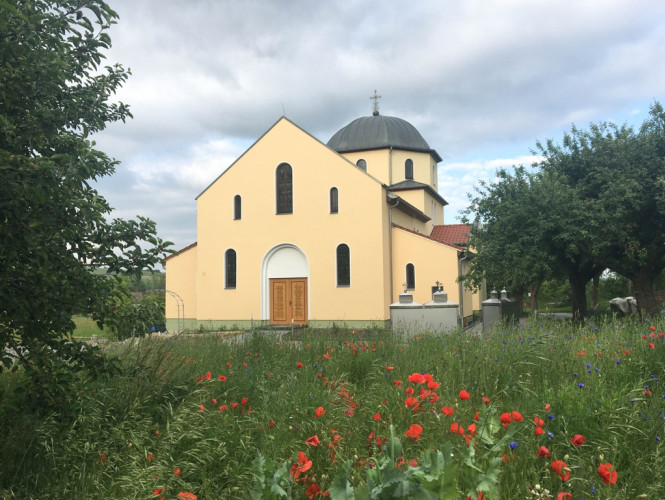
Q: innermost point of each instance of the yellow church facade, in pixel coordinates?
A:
(300, 232)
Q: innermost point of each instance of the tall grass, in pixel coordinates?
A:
(128, 436)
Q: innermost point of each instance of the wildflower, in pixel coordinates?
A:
(299, 364)
(463, 395)
(221, 378)
(243, 401)
(303, 464)
(201, 408)
(578, 440)
(313, 441)
(186, 495)
(417, 378)
(456, 428)
(544, 452)
(506, 418)
(560, 468)
(234, 405)
(150, 456)
(376, 417)
(513, 445)
(563, 495)
(447, 410)
(397, 383)
(159, 491)
(413, 432)
(411, 402)
(539, 431)
(486, 400)
(319, 412)
(408, 391)
(313, 490)
(607, 473)
(517, 416)
(176, 471)
(223, 408)
(433, 385)
(651, 346)
(271, 424)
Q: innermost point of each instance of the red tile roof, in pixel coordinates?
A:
(180, 251)
(452, 234)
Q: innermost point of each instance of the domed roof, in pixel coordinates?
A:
(377, 132)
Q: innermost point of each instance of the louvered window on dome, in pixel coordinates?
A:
(334, 200)
(237, 207)
(410, 277)
(230, 268)
(284, 188)
(408, 169)
(343, 265)
(362, 164)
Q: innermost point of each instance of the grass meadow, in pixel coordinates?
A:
(349, 414)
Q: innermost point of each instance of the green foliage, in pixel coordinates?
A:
(55, 228)
(129, 317)
(595, 201)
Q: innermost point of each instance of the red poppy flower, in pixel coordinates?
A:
(463, 395)
(302, 465)
(221, 378)
(389, 368)
(150, 456)
(376, 417)
(414, 432)
(398, 383)
(223, 408)
(433, 385)
(313, 441)
(319, 412)
(471, 429)
(578, 440)
(456, 428)
(417, 378)
(176, 471)
(544, 452)
(186, 495)
(159, 491)
(506, 419)
(201, 408)
(208, 376)
(299, 364)
(271, 424)
(539, 431)
(313, 490)
(607, 473)
(517, 416)
(563, 495)
(486, 400)
(409, 391)
(411, 402)
(234, 405)
(560, 468)
(538, 421)
(651, 346)
(243, 401)
(447, 410)
(653, 328)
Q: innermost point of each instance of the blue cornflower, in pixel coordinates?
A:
(513, 445)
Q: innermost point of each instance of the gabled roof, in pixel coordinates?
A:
(452, 234)
(182, 250)
(410, 184)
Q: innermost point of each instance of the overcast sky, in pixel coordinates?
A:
(481, 80)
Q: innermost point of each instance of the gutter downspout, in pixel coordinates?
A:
(390, 246)
(461, 290)
(390, 168)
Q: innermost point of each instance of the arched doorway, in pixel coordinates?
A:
(285, 286)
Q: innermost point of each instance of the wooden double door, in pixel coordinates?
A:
(288, 300)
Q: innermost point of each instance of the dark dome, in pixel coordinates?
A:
(377, 132)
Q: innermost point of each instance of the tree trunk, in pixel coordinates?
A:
(534, 298)
(578, 292)
(594, 293)
(645, 292)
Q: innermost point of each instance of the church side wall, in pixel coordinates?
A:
(181, 279)
(432, 261)
(311, 228)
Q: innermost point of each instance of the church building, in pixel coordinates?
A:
(301, 232)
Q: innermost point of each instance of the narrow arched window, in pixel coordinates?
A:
(343, 265)
(408, 169)
(410, 277)
(284, 188)
(334, 200)
(362, 164)
(230, 268)
(237, 207)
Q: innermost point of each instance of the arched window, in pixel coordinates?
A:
(408, 169)
(284, 188)
(237, 207)
(410, 277)
(334, 200)
(362, 164)
(343, 265)
(230, 268)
